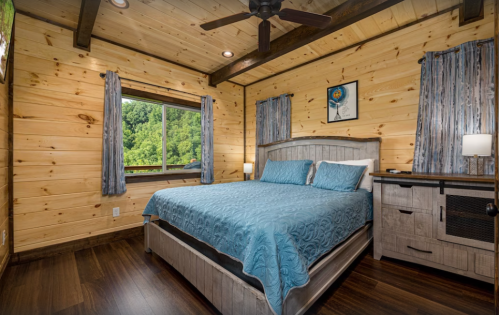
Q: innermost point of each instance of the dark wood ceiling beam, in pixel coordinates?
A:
(343, 15)
(471, 11)
(86, 21)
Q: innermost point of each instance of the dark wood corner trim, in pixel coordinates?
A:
(10, 170)
(145, 177)
(376, 139)
(159, 97)
(244, 124)
(39, 18)
(471, 11)
(72, 246)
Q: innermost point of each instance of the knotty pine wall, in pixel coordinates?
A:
(4, 164)
(389, 80)
(58, 110)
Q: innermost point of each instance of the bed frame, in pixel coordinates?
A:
(231, 295)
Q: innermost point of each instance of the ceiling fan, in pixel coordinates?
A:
(265, 9)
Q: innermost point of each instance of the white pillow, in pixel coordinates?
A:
(310, 174)
(367, 180)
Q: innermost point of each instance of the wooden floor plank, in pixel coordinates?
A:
(120, 278)
(66, 282)
(98, 298)
(123, 288)
(88, 265)
(438, 286)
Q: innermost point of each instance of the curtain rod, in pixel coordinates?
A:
(480, 43)
(287, 94)
(103, 75)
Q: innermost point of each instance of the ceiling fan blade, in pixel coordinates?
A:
(225, 21)
(307, 18)
(264, 36)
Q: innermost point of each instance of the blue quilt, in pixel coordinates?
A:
(276, 230)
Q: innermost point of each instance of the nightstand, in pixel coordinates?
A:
(436, 220)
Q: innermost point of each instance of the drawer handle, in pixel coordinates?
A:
(405, 212)
(405, 186)
(441, 210)
(420, 250)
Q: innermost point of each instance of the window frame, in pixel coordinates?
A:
(166, 102)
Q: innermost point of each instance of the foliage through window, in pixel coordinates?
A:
(144, 125)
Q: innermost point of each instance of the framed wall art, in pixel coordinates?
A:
(343, 102)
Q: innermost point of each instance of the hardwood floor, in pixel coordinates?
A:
(120, 278)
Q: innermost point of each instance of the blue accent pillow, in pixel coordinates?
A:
(338, 177)
(286, 172)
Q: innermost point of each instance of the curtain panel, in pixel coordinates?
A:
(113, 167)
(456, 99)
(207, 173)
(273, 122)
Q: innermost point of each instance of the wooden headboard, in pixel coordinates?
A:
(318, 149)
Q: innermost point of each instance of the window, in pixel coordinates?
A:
(160, 137)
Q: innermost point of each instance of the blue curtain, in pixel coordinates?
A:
(273, 122)
(207, 174)
(456, 98)
(113, 167)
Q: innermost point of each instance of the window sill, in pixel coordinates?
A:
(155, 177)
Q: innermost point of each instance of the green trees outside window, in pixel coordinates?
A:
(143, 133)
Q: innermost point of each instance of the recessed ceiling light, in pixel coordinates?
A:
(122, 4)
(228, 54)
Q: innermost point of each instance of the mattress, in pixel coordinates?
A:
(275, 231)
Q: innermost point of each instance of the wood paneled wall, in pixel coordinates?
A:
(4, 164)
(389, 80)
(58, 113)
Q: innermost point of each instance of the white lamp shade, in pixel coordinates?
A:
(480, 145)
(248, 168)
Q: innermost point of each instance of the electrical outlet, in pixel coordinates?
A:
(4, 236)
(116, 212)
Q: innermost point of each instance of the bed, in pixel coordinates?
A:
(263, 248)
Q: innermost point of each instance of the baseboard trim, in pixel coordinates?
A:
(59, 249)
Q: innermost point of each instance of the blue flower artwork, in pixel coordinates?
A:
(342, 102)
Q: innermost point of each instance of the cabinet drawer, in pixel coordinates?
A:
(420, 249)
(407, 196)
(398, 220)
(406, 221)
(456, 258)
(484, 265)
(444, 255)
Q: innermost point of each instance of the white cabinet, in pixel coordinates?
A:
(435, 222)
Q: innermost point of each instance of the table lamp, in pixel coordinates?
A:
(248, 169)
(476, 147)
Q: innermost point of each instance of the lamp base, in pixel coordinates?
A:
(247, 176)
(475, 166)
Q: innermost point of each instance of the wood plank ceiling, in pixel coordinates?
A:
(170, 29)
